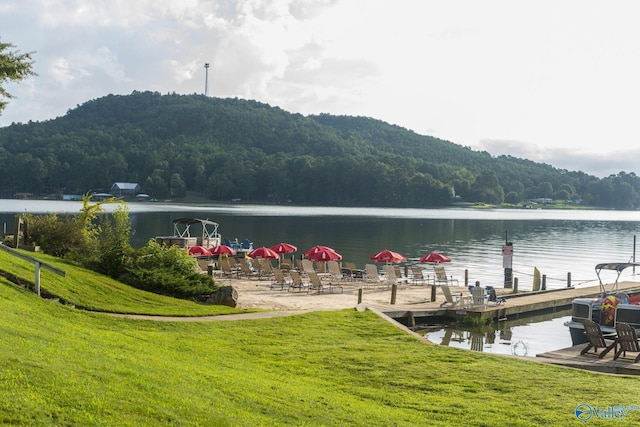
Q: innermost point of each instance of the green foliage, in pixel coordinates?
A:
(57, 235)
(101, 243)
(113, 247)
(166, 270)
(175, 145)
(14, 66)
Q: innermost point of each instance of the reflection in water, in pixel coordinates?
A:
(522, 337)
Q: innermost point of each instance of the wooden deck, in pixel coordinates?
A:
(570, 357)
(516, 306)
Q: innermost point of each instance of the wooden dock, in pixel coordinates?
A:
(517, 305)
(571, 358)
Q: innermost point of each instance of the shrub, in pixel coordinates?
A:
(167, 270)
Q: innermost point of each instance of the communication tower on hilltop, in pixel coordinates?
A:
(206, 79)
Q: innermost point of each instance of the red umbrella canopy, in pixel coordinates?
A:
(262, 252)
(434, 258)
(326, 254)
(199, 250)
(283, 248)
(316, 249)
(388, 256)
(222, 250)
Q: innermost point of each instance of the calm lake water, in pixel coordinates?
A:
(557, 242)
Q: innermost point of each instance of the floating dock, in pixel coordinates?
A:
(517, 305)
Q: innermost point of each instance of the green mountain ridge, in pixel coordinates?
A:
(224, 149)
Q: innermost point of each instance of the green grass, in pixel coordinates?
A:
(63, 366)
(95, 292)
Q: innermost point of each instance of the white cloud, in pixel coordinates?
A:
(553, 74)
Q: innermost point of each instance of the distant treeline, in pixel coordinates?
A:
(223, 149)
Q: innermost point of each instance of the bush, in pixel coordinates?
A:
(167, 270)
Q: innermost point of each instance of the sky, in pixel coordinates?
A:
(556, 82)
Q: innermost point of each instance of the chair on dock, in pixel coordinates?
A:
(627, 340)
(478, 297)
(452, 301)
(596, 339)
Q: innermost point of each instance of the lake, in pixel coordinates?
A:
(555, 241)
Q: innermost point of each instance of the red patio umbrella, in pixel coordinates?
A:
(222, 250)
(434, 258)
(283, 248)
(324, 254)
(262, 252)
(316, 249)
(388, 256)
(199, 250)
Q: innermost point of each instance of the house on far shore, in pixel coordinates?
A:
(125, 189)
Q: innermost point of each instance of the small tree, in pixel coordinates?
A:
(14, 66)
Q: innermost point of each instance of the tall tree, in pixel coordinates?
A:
(14, 66)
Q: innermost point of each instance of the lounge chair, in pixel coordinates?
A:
(452, 301)
(441, 276)
(390, 277)
(335, 272)
(627, 340)
(315, 284)
(307, 266)
(246, 269)
(351, 272)
(371, 274)
(265, 268)
(596, 339)
(417, 277)
(202, 265)
(297, 282)
(398, 272)
(285, 266)
(279, 279)
(225, 268)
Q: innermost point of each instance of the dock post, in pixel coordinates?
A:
(568, 279)
(394, 291)
(433, 293)
(544, 283)
(515, 285)
(466, 278)
(411, 320)
(360, 296)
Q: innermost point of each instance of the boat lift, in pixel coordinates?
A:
(613, 266)
(210, 236)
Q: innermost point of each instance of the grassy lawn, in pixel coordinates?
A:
(61, 366)
(94, 292)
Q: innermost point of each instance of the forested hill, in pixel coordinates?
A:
(224, 149)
